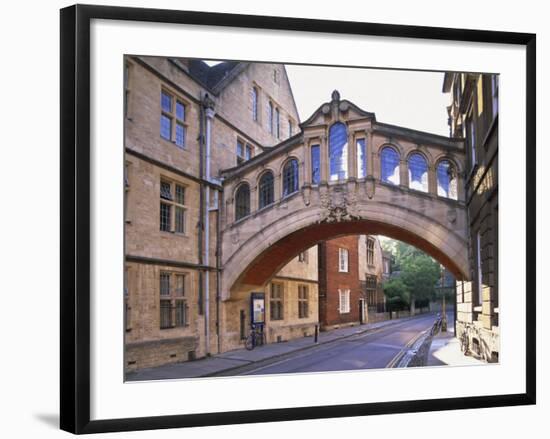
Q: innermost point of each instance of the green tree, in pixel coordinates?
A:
(416, 275)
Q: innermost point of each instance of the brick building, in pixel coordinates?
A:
(350, 275)
(473, 115)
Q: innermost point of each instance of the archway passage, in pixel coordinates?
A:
(270, 261)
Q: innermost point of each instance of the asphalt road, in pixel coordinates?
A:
(373, 350)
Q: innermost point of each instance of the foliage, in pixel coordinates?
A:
(415, 275)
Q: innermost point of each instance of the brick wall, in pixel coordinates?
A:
(331, 280)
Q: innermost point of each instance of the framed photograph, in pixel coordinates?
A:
(276, 218)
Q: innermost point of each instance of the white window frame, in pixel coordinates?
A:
(344, 301)
(343, 260)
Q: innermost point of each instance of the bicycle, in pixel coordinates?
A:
(255, 338)
(464, 343)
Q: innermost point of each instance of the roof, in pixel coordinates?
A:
(215, 77)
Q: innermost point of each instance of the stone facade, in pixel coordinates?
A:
(200, 237)
(473, 115)
(173, 310)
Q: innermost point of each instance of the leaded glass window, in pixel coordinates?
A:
(418, 172)
(338, 152)
(242, 202)
(266, 189)
(315, 164)
(290, 177)
(389, 160)
(447, 180)
(361, 158)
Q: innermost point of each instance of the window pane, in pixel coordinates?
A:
(361, 158)
(164, 284)
(180, 111)
(390, 166)
(166, 102)
(338, 152)
(270, 117)
(165, 190)
(165, 217)
(165, 126)
(446, 180)
(165, 314)
(315, 164)
(180, 194)
(277, 123)
(248, 152)
(290, 177)
(242, 202)
(240, 149)
(266, 189)
(180, 134)
(418, 173)
(254, 104)
(180, 285)
(180, 313)
(180, 220)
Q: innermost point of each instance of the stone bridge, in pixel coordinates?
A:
(344, 173)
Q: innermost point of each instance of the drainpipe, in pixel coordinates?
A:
(209, 113)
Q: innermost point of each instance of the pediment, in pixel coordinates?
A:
(336, 109)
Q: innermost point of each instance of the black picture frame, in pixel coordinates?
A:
(75, 217)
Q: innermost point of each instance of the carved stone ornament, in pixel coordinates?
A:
(451, 216)
(337, 205)
(306, 195)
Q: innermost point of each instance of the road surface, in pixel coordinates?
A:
(372, 350)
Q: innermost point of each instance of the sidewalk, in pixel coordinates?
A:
(445, 350)
(225, 363)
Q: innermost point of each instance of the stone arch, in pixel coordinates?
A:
(444, 156)
(395, 146)
(264, 253)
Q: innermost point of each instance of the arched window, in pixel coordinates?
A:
(266, 189)
(290, 177)
(242, 202)
(338, 152)
(447, 180)
(418, 172)
(389, 163)
(254, 104)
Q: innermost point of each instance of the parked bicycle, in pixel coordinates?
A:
(255, 338)
(465, 343)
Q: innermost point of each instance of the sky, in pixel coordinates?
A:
(411, 99)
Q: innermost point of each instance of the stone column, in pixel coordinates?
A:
(352, 156)
(324, 159)
(432, 180)
(403, 173)
(307, 161)
(461, 190)
(370, 153)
